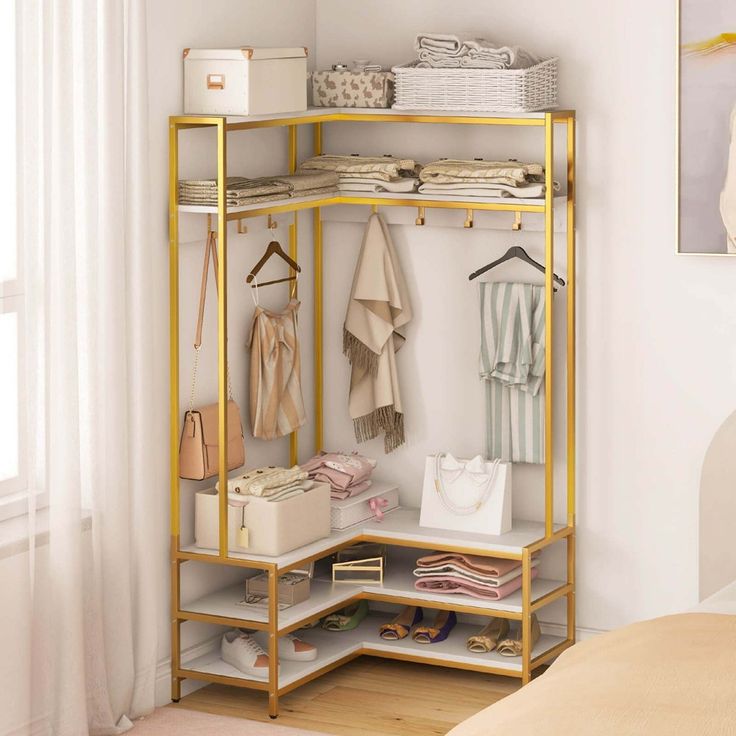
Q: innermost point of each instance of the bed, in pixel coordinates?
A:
(671, 676)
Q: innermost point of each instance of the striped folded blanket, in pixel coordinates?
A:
(451, 584)
(453, 171)
(242, 191)
(381, 168)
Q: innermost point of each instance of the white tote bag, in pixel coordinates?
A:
(466, 495)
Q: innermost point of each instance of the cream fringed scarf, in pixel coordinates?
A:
(379, 306)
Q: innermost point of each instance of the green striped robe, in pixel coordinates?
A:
(512, 367)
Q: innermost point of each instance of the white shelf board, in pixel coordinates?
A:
(338, 198)
(403, 525)
(327, 112)
(398, 583)
(333, 645)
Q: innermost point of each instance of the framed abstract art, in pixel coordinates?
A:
(707, 126)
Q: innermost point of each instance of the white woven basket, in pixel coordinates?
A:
(487, 90)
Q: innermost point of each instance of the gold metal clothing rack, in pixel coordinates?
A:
(520, 545)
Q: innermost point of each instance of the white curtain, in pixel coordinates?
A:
(84, 222)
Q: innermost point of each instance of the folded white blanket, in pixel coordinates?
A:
(530, 191)
(355, 184)
(442, 50)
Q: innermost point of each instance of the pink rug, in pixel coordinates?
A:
(176, 721)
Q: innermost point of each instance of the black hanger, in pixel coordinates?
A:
(515, 251)
(274, 248)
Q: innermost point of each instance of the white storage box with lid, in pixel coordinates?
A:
(245, 81)
(379, 499)
(273, 527)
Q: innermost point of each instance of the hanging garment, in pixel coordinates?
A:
(728, 196)
(276, 403)
(512, 368)
(378, 308)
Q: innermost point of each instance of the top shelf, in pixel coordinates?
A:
(386, 115)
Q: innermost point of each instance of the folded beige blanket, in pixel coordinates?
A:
(383, 168)
(671, 676)
(512, 173)
(379, 307)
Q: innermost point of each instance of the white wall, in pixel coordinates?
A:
(657, 357)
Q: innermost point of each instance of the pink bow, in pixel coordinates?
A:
(377, 505)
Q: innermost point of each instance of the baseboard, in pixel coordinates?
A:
(163, 671)
(581, 633)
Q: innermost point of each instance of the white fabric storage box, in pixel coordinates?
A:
(274, 527)
(245, 81)
(351, 511)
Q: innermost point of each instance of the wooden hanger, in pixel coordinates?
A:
(515, 251)
(274, 248)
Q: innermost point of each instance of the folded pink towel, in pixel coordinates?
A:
(452, 584)
(493, 566)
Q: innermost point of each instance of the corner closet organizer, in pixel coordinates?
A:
(401, 528)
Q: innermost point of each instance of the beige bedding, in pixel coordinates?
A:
(671, 676)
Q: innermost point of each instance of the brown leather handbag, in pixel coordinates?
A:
(199, 446)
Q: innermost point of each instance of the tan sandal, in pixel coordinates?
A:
(403, 623)
(486, 639)
(512, 647)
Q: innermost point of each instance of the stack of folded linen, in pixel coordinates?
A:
(367, 173)
(450, 51)
(480, 577)
(459, 178)
(273, 483)
(242, 191)
(348, 475)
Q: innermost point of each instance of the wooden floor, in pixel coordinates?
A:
(368, 697)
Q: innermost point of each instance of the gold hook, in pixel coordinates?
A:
(374, 209)
(242, 229)
(517, 221)
(468, 218)
(272, 224)
(420, 216)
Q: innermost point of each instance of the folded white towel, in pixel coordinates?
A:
(355, 184)
(449, 51)
(483, 190)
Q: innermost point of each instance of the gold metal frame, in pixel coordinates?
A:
(548, 122)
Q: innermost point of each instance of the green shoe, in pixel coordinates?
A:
(347, 619)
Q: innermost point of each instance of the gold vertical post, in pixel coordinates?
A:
(293, 247)
(549, 242)
(318, 346)
(571, 581)
(222, 367)
(273, 641)
(571, 322)
(174, 400)
(526, 621)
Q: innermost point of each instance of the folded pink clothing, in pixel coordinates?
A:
(339, 495)
(450, 584)
(492, 566)
(342, 469)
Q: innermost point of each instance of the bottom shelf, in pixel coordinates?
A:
(334, 645)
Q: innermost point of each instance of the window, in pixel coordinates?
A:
(13, 476)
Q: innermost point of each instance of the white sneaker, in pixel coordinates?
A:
(291, 648)
(243, 652)
(294, 649)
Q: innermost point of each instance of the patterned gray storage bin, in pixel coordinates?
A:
(352, 89)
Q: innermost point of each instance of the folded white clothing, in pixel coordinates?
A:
(448, 51)
(483, 190)
(357, 184)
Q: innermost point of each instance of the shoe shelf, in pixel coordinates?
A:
(398, 587)
(337, 646)
(399, 529)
